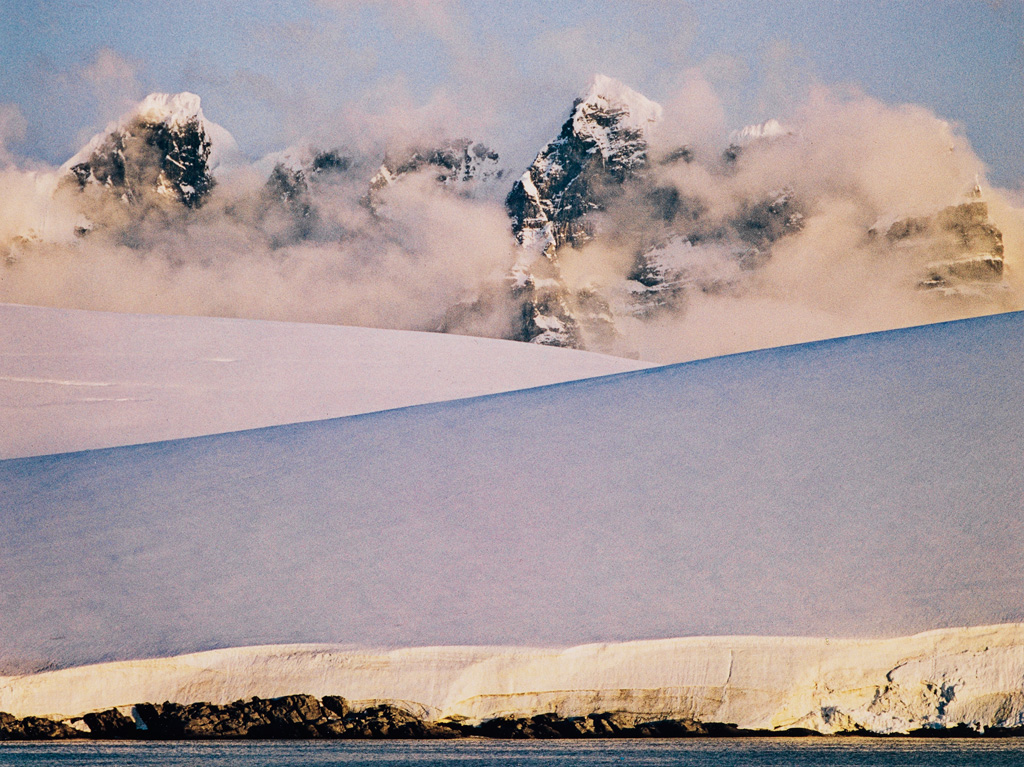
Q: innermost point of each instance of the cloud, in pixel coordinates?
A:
(786, 77)
(694, 113)
(12, 131)
(426, 256)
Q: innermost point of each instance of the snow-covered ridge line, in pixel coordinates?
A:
(939, 678)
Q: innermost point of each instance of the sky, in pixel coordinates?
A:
(274, 73)
(866, 486)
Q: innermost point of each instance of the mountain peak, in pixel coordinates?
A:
(169, 108)
(602, 146)
(633, 109)
(770, 129)
(164, 145)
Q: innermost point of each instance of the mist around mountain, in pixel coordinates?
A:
(631, 233)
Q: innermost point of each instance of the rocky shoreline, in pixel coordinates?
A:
(307, 717)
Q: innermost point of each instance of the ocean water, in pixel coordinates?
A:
(757, 752)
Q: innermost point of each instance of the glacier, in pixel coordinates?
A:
(866, 487)
(944, 678)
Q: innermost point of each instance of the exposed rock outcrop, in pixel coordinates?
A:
(455, 163)
(110, 724)
(290, 191)
(962, 247)
(162, 148)
(35, 728)
(296, 717)
(601, 147)
(292, 716)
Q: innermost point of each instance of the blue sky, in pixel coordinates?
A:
(274, 72)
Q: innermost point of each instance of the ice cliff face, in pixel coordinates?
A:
(163, 148)
(969, 676)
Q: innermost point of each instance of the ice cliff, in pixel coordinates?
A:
(972, 676)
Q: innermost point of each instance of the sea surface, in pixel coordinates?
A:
(752, 752)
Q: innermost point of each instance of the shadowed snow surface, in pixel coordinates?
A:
(863, 486)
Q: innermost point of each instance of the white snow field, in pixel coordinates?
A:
(869, 486)
(972, 676)
(77, 380)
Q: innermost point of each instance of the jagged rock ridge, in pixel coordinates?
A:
(603, 160)
(293, 185)
(162, 148)
(455, 162)
(600, 147)
(603, 155)
(962, 247)
(600, 183)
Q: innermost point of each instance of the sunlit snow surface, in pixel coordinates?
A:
(864, 486)
(78, 380)
(937, 678)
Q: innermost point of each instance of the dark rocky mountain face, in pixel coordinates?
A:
(460, 165)
(145, 158)
(601, 185)
(613, 228)
(291, 190)
(299, 186)
(602, 161)
(461, 160)
(601, 147)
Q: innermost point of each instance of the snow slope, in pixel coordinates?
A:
(940, 678)
(76, 380)
(867, 486)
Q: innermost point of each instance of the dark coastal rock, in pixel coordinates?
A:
(35, 728)
(613, 725)
(110, 724)
(294, 717)
(289, 717)
(336, 704)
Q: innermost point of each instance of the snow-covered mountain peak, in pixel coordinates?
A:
(170, 108)
(164, 145)
(610, 111)
(601, 148)
(770, 129)
(611, 95)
